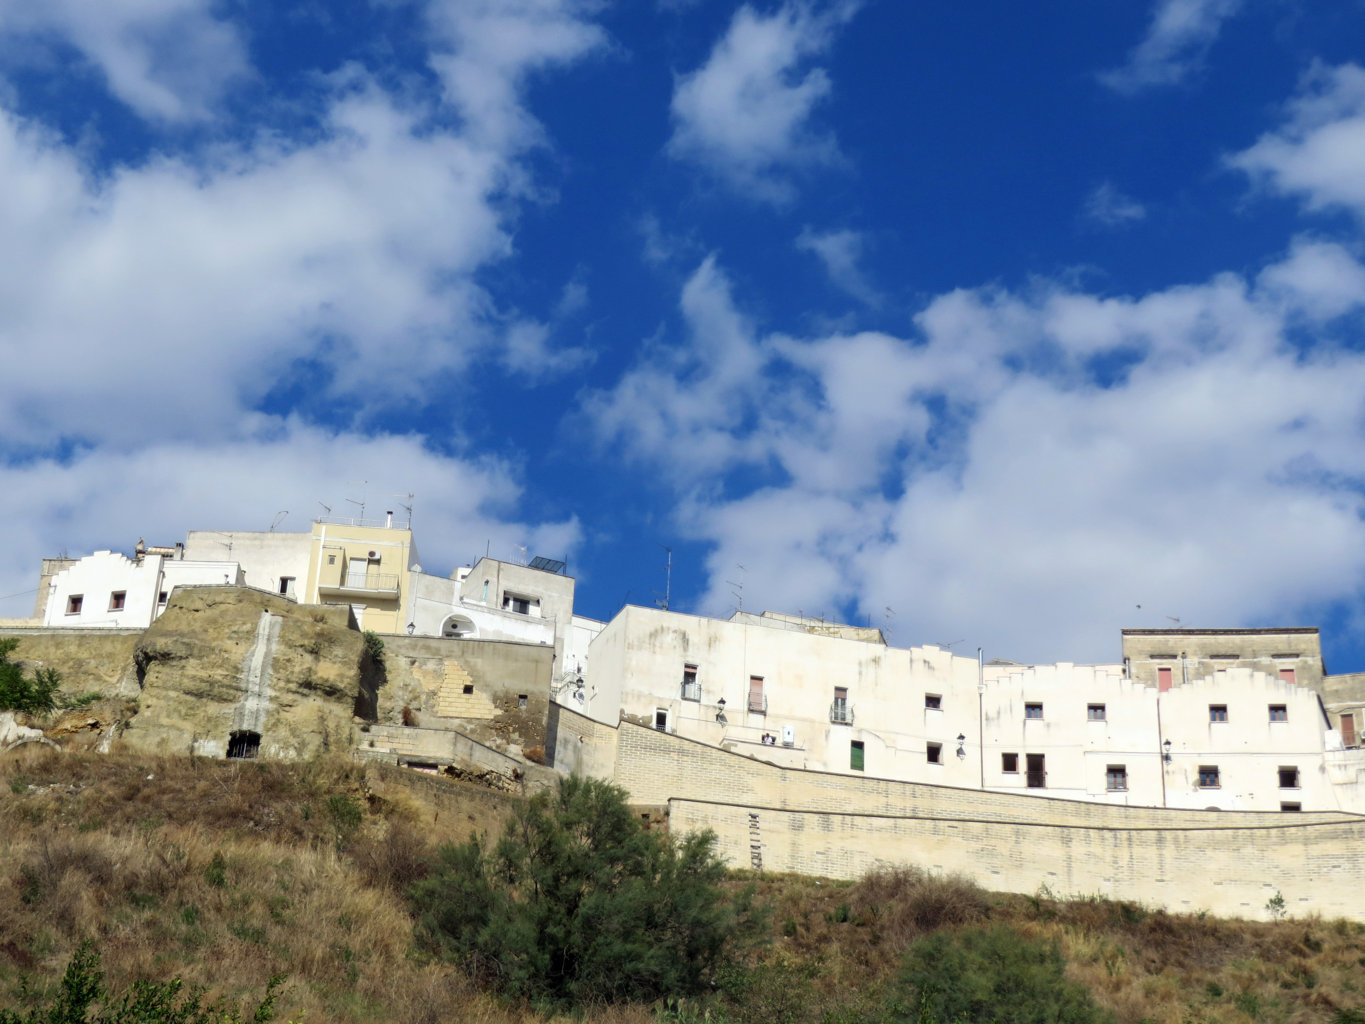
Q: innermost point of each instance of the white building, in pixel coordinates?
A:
(270, 560)
(808, 694)
(108, 589)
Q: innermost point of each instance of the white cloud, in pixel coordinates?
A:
(745, 115)
(1107, 206)
(1318, 154)
(167, 300)
(1028, 468)
(841, 252)
(101, 499)
(169, 60)
(494, 45)
(1177, 40)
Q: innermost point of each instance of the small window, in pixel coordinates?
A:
(286, 585)
(839, 711)
(73, 604)
(1116, 778)
(661, 719)
(1163, 679)
(521, 700)
(933, 701)
(117, 600)
(1289, 777)
(1291, 805)
(1208, 776)
(162, 598)
(1286, 675)
(757, 702)
(1094, 713)
(331, 559)
(855, 755)
(516, 604)
(1279, 712)
(467, 689)
(1034, 711)
(1009, 764)
(933, 753)
(1218, 712)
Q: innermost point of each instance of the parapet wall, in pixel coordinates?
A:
(1226, 862)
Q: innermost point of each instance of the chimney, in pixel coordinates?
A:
(388, 520)
(179, 550)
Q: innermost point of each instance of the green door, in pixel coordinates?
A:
(855, 755)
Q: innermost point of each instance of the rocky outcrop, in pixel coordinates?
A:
(225, 665)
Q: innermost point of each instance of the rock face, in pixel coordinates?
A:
(231, 670)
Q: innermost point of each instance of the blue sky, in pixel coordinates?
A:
(996, 324)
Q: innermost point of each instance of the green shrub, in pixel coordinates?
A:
(18, 692)
(83, 1000)
(992, 976)
(579, 904)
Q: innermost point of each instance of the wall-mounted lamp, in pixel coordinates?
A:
(720, 717)
(1167, 756)
(961, 750)
(721, 703)
(412, 628)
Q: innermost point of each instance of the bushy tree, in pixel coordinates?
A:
(18, 692)
(579, 903)
(992, 976)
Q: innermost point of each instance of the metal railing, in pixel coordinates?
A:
(387, 581)
(758, 703)
(691, 691)
(841, 713)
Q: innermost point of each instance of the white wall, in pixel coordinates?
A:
(97, 577)
(265, 557)
(905, 700)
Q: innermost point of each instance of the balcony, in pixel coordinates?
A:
(361, 584)
(691, 691)
(841, 713)
(758, 703)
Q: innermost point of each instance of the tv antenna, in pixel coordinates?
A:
(406, 506)
(668, 580)
(326, 507)
(738, 592)
(361, 503)
(279, 518)
(887, 615)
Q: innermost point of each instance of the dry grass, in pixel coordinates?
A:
(226, 873)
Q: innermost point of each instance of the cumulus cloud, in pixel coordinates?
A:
(100, 499)
(1176, 43)
(1174, 450)
(841, 252)
(746, 114)
(169, 60)
(1318, 154)
(1108, 207)
(174, 297)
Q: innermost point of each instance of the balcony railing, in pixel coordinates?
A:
(758, 703)
(691, 691)
(1037, 780)
(366, 582)
(841, 713)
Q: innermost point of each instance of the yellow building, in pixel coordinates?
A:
(365, 564)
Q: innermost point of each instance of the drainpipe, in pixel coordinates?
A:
(1184, 673)
(981, 718)
(1160, 750)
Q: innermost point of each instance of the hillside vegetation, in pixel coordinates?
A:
(227, 874)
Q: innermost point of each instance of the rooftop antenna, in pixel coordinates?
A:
(738, 592)
(361, 502)
(279, 518)
(668, 579)
(326, 507)
(522, 549)
(406, 506)
(887, 615)
(949, 646)
(1174, 619)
